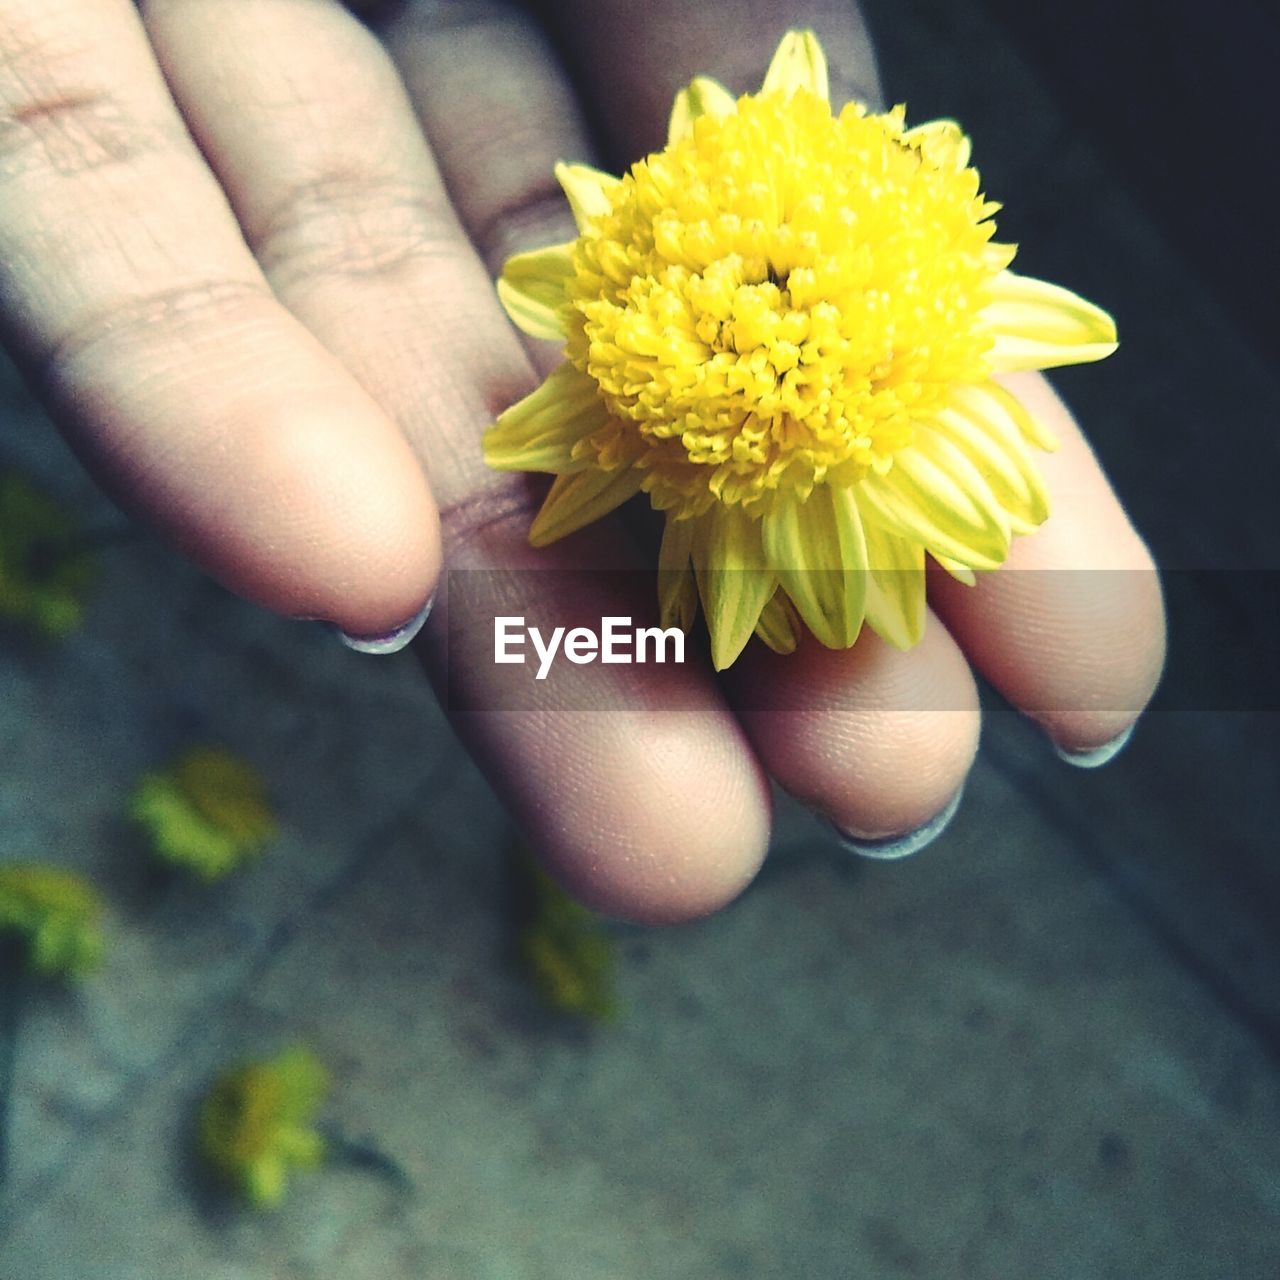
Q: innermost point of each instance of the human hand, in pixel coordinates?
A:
(260, 302)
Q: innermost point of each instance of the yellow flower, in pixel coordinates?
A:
(784, 329)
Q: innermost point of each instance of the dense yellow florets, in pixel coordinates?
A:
(773, 299)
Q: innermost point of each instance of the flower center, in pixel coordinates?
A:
(772, 299)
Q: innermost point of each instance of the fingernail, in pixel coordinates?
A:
(891, 847)
(1096, 757)
(392, 641)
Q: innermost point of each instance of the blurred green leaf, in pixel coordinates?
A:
(256, 1123)
(567, 952)
(208, 813)
(54, 915)
(45, 569)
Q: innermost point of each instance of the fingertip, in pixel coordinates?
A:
(682, 842)
(325, 516)
(1091, 695)
(682, 830)
(261, 458)
(634, 782)
(877, 740)
(388, 642)
(1072, 628)
(909, 843)
(1096, 757)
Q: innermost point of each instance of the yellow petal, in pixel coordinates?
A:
(677, 591)
(588, 191)
(996, 256)
(1038, 325)
(779, 627)
(578, 499)
(799, 63)
(977, 421)
(532, 290)
(733, 579)
(819, 554)
(960, 572)
(942, 142)
(1004, 412)
(895, 590)
(538, 433)
(1029, 427)
(936, 496)
(703, 97)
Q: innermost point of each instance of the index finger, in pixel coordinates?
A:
(146, 326)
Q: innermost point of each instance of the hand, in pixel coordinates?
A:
(247, 263)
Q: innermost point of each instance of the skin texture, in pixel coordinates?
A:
(246, 258)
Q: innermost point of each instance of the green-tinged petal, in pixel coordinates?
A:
(960, 572)
(992, 399)
(733, 579)
(943, 142)
(819, 554)
(779, 625)
(1037, 325)
(677, 590)
(588, 191)
(538, 433)
(579, 499)
(996, 255)
(936, 496)
(895, 590)
(799, 63)
(532, 290)
(978, 424)
(703, 97)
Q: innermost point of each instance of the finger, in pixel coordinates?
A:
(1071, 630)
(497, 158)
(630, 59)
(145, 324)
(335, 189)
(879, 741)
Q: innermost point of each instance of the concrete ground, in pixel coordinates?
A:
(1046, 1048)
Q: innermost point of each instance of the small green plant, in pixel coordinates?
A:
(50, 919)
(207, 814)
(256, 1124)
(50, 928)
(45, 566)
(566, 951)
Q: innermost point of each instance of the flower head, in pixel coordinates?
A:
(784, 329)
(208, 813)
(54, 915)
(255, 1123)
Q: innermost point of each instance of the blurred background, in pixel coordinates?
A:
(1046, 1048)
